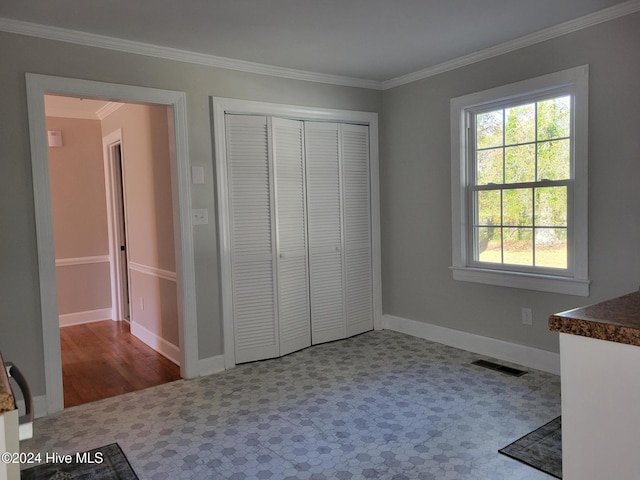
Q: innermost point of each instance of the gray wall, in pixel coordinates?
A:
(416, 187)
(20, 322)
(415, 180)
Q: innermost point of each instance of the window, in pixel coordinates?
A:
(519, 184)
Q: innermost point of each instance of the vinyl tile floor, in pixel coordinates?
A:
(380, 405)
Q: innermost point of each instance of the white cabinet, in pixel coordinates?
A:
(300, 228)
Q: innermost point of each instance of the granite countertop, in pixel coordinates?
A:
(615, 320)
(6, 396)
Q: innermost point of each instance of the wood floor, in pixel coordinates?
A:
(103, 359)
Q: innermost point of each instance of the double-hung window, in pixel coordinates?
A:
(519, 184)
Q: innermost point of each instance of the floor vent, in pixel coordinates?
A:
(514, 372)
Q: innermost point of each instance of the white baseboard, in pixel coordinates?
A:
(211, 365)
(491, 347)
(89, 316)
(159, 344)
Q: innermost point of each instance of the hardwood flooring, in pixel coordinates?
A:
(103, 359)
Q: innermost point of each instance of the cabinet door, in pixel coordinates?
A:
(293, 280)
(252, 238)
(357, 228)
(325, 231)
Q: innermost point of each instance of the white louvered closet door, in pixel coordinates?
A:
(293, 279)
(252, 238)
(357, 221)
(325, 231)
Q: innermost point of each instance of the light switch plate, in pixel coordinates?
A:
(200, 216)
(197, 175)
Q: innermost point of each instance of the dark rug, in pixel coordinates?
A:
(103, 463)
(541, 449)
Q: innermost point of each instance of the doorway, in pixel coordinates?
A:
(120, 225)
(116, 218)
(37, 87)
(89, 195)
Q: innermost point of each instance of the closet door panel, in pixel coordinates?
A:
(357, 221)
(252, 242)
(293, 299)
(293, 278)
(325, 231)
(255, 330)
(328, 321)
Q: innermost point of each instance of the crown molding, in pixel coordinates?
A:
(128, 46)
(611, 13)
(66, 112)
(70, 112)
(108, 109)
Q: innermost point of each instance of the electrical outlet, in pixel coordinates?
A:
(527, 316)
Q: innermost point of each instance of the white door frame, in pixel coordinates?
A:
(39, 85)
(220, 106)
(115, 219)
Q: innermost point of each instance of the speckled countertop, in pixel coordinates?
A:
(6, 397)
(615, 320)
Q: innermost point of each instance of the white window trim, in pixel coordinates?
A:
(577, 283)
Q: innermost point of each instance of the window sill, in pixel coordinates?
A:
(528, 281)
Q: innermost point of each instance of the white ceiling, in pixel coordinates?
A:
(369, 39)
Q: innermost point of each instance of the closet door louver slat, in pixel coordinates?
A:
(293, 279)
(325, 232)
(357, 213)
(252, 255)
(299, 208)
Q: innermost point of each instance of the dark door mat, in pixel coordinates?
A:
(541, 449)
(103, 463)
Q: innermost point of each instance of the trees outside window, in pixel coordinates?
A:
(519, 184)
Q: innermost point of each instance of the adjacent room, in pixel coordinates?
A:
(321, 240)
(109, 195)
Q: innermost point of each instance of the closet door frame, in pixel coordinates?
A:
(220, 107)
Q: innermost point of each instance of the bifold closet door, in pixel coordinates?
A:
(357, 228)
(252, 238)
(294, 323)
(325, 231)
(300, 224)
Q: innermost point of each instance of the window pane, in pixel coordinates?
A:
(520, 124)
(551, 206)
(488, 244)
(554, 118)
(554, 160)
(518, 246)
(520, 164)
(489, 129)
(517, 208)
(488, 208)
(551, 247)
(489, 166)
